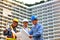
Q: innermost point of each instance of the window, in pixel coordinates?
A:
(45, 24)
(50, 7)
(45, 27)
(57, 18)
(49, 13)
(50, 30)
(30, 24)
(0, 33)
(1, 12)
(0, 16)
(16, 8)
(51, 37)
(44, 14)
(44, 9)
(45, 34)
(56, 32)
(1, 9)
(45, 21)
(57, 35)
(44, 17)
(0, 19)
(50, 20)
(46, 37)
(50, 23)
(50, 17)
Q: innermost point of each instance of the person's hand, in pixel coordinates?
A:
(6, 30)
(30, 36)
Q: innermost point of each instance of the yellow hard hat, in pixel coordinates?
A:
(15, 19)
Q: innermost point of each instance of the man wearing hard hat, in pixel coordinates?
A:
(37, 30)
(10, 32)
(25, 25)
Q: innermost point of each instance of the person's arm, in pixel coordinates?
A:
(5, 32)
(31, 31)
(39, 32)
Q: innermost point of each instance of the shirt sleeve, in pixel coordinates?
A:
(31, 32)
(39, 32)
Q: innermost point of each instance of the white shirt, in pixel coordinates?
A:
(26, 29)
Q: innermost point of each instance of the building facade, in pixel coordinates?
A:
(10, 10)
(48, 15)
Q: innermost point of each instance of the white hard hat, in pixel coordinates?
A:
(25, 20)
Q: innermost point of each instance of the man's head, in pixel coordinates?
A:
(34, 19)
(15, 22)
(25, 23)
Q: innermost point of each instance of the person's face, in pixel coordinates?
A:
(34, 22)
(25, 24)
(14, 24)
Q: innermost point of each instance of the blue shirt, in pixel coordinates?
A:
(37, 32)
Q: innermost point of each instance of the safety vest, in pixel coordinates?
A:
(13, 35)
(10, 39)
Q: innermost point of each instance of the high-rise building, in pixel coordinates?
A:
(48, 15)
(10, 10)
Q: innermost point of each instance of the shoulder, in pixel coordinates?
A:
(39, 25)
(9, 29)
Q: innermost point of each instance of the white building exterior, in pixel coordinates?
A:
(48, 15)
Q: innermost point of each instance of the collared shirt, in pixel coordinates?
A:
(37, 32)
(26, 29)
